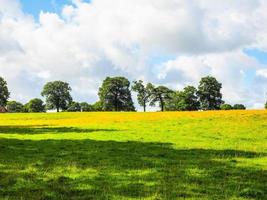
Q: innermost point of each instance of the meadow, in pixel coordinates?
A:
(168, 155)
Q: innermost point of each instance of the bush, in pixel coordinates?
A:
(14, 107)
(226, 107)
(239, 107)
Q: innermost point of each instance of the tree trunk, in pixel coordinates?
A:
(144, 106)
(57, 109)
(116, 103)
(162, 105)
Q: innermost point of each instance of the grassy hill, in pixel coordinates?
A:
(172, 155)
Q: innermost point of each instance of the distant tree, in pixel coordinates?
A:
(74, 107)
(266, 105)
(25, 108)
(226, 107)
(115, 94)
(239, 107)
(185, 100)
(34, 106)
(97, 106)
(4, 93)
(160, 95)
(209, 93)
(143, 92)
(190, 98)
(57, 95)
(175, 102)
(14, 107)
(85, 107)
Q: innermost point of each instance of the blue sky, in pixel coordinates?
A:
(261, 56)
(34, 7)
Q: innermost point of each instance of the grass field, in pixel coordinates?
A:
(176, 155)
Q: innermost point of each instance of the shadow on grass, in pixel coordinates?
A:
(89, 169)
(41, 129)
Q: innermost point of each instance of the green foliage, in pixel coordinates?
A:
(34, 106)
(74, 107)
(57, 95)
(239, 107)
(209, 93)
(266, 105)
(160, 95)
(25, 108)
(97, 106)
(14, 107)
(143, 92)
(85, 107)
(4, 93)
(175, 102)
(226, 107)
(115, 94)
(185, 100)
(190, 98)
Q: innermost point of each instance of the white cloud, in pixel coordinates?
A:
(262, 73)
(89, 41)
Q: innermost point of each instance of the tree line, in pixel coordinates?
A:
(115, 95)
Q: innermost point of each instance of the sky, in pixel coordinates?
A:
(166, 42)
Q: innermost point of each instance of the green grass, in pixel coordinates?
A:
(186, 155)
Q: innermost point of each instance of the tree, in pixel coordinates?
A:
(266, 105)
(185, 100)
(4, 93)
(190, 98)
(175, 102)
(226, 107)
(115, 94)
(74, 107)
(34, 106)
(143, 92)
(85, 107)
(25, 108)
(160, 94)
(57, 95)
(239, 107)
(97, 106)
(14, 107)
(209, 93)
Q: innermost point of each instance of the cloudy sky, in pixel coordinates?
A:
(169, 42)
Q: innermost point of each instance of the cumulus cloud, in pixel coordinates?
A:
(86, 42)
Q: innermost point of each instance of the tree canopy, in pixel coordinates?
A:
(35, 105)
(144, 92)
(14, 107)
(86, 107)
(160, 95)
(4, 93)
(209, 93)
(74, 107)
(115, 94)
(239, 107)
(226, 107)
(185, 100)
(57, 95)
